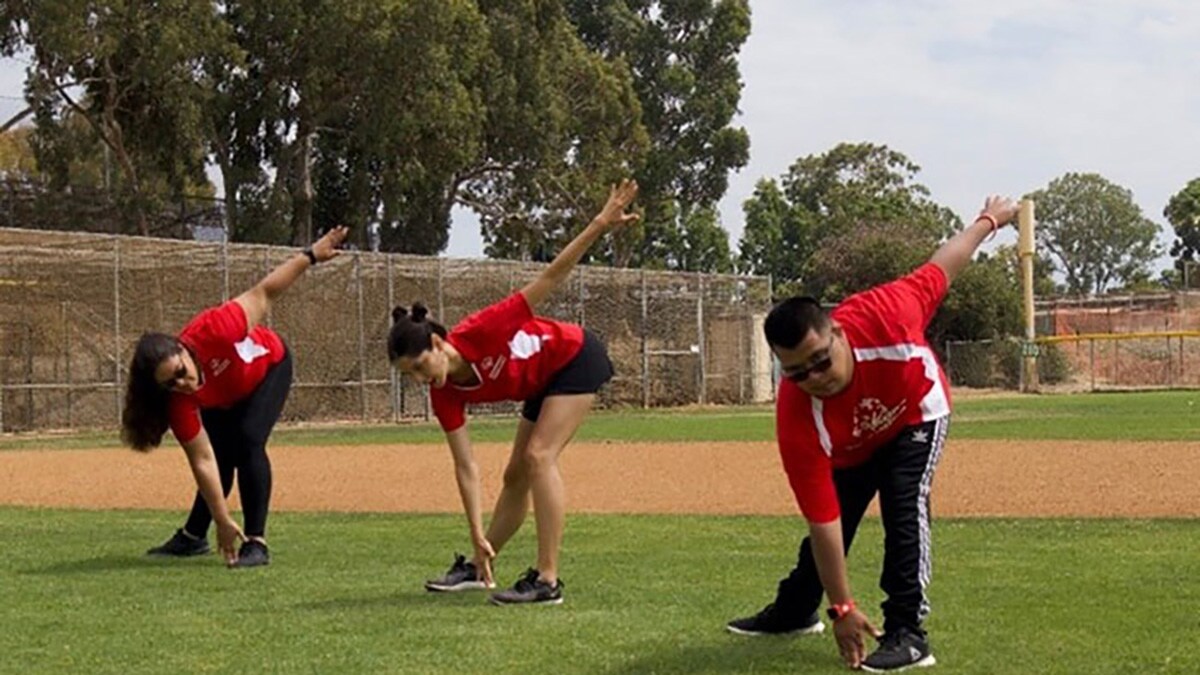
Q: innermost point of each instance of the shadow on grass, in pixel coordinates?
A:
(739, 655)
(409, 599)
(109, 563)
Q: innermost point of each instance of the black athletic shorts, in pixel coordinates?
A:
(584, 374)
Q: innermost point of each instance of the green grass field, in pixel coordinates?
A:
(644, 593)
(1150, 416)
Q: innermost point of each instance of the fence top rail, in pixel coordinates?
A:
(382, 255)
(1051, 339)
(1111, 301)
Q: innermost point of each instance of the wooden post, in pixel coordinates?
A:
(1025, 248)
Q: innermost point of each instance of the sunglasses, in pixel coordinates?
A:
(179, 375)
(824, 364)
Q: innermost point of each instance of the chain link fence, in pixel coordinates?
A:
(1085, 362)
(72, 305)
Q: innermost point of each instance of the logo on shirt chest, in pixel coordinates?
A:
(493, 366)
(871, 416)
(218, 366)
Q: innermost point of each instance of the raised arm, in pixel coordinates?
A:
(257, 301)
(611, 217)
(956, 254)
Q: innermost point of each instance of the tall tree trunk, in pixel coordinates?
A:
(134, 186)
(231, 178)
(302, 188)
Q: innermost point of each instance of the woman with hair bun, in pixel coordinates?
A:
(506, 353)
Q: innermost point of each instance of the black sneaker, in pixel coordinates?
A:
(462, 576)
(252, 554)
(181, 545)
(900, 650)
(772, 622)
(530, 590)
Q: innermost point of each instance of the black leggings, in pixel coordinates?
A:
(902, 474)
(239, 439)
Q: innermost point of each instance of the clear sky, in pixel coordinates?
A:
(985, 97)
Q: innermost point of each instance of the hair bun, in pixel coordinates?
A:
(419, 311)
(399, 313)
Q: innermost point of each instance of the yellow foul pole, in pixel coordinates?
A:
(1025, 242)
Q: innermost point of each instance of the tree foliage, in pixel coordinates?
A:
(832, 199)
(387, 114)
(1183, 212)
(683, 58)
(1095, 232)
(132, 72)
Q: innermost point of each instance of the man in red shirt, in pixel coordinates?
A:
(864, 409)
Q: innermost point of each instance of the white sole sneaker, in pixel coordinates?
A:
(500, 603)
(815, 629)
(460, 586)
(923, 663)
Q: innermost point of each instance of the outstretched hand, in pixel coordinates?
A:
(1003, 209)
(229, 535)
(613, 215)
(849, 632)
(484, 554)
(326, 248)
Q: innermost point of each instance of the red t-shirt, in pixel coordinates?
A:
(897, 382)
(232, 361)
(514, 354)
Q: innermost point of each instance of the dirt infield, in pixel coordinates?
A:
(976, 478)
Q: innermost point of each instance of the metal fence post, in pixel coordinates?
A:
(362, 338)
(440, 300)
(117, 326)
(1182, 374)
(582, 293)
(645, 348)
(66, 328)
(266, 269)
(1116, 369)
(1170, 370)
(393, 380)
(225, 263)
(1092, 361)
(29, 376)
(441, 303)
(703, 383)
(949, 364)
(771, 358)
(743, 334)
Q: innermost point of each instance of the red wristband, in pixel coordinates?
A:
(990, 218)
(839, 610)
